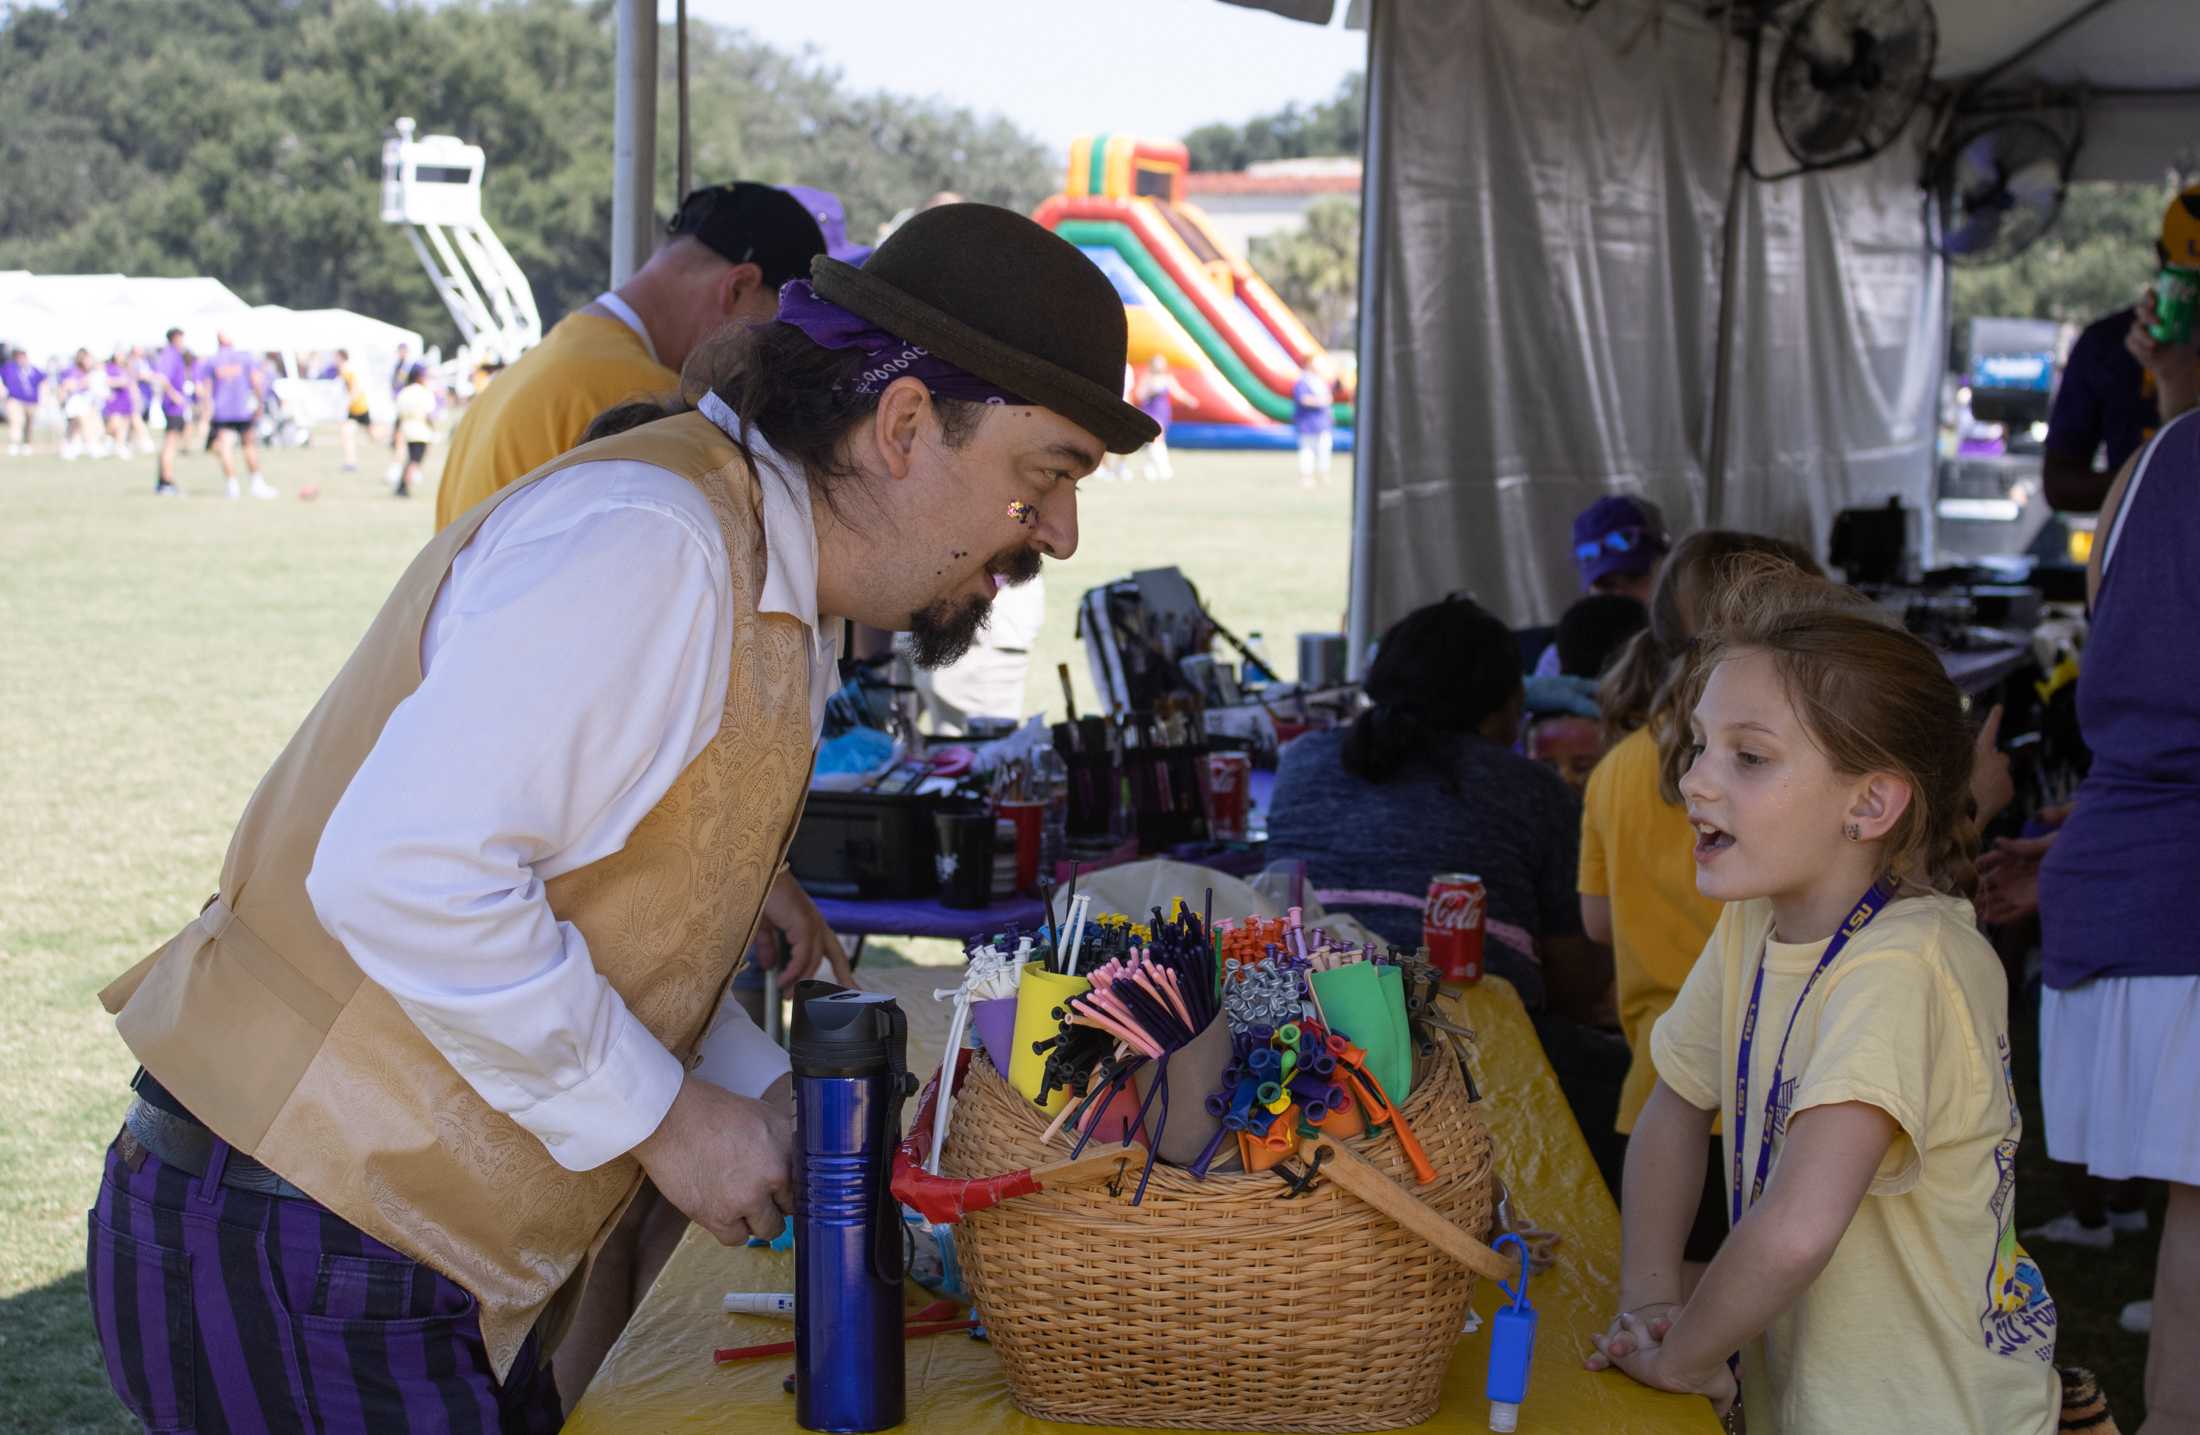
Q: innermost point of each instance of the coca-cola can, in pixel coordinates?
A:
(1451, 925)
(1229, 795)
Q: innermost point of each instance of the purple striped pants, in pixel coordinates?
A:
(221, 1311)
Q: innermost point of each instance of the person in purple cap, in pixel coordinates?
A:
(832, 221)
(20, 382)
(1619, 543)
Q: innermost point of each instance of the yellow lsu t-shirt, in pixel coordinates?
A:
(355, 392)
(1930, 1316)
(539, 407)
(1638, 852)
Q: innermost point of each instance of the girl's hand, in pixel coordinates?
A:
(1656, 1318)
(1643, 1357)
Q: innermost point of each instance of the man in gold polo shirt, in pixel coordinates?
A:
(417, 1052)
(728, 250)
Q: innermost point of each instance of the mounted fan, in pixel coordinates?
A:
(1850, 75)
(1998, 188)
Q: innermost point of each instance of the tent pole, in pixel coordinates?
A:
(687, 152)
(1730, 278)
(1367, 443)
(634, 139)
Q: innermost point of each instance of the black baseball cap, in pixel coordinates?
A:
(748, 223)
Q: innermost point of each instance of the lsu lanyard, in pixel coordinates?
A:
(1867, 907)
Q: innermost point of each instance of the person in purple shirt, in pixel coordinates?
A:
(235, 383)
(2120, 1014)
(2106, 402)
(20, 382)
(171, 373)
(1314, 418)
(1157, 393)
(121, 405)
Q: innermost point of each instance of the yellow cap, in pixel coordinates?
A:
(2181, 230)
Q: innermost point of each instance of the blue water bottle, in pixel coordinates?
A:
(851, 1076)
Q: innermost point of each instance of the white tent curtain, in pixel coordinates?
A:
(1544, 321)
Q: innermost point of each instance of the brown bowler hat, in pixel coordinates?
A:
(989, 290)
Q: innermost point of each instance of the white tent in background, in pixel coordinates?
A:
(54, 315)
(307, 339)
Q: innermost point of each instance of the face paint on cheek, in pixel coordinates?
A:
(1021, 512)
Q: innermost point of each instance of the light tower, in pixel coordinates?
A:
(432, 185)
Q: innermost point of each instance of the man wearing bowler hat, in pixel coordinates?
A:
(422, 1045)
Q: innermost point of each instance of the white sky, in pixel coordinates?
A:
(1061, 68)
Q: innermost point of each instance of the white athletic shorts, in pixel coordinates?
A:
(2120, 1076)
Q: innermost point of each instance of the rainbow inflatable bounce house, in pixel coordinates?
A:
(1232, 344)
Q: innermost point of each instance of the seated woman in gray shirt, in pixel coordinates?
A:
(1426, 781)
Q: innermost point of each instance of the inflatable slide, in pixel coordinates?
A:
(1230, 341)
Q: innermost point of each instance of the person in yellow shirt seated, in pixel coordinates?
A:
(729, 249)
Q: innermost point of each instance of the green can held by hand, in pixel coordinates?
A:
(2176, 292)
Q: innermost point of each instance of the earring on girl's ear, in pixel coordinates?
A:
(1853, 832)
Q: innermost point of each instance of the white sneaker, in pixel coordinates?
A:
(2127, 1220)
(68, 453)
(2066, 1230)
(261, 488)
(2137, 1317)
(393, 473)
(234, 491)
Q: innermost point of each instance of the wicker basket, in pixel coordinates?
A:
(1214, 1304)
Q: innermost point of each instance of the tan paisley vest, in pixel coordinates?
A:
(257, 1020)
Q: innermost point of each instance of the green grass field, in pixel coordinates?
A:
(156, 653)
(154, 656)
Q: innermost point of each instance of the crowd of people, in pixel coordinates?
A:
(224, 401)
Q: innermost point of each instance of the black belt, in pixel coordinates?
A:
(158, 1124)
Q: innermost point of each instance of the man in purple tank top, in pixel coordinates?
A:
(235, 383)
(2120, 1016)
(171, 370)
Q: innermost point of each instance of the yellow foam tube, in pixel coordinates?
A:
(1040, 992)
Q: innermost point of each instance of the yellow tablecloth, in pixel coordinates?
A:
(659, 1377)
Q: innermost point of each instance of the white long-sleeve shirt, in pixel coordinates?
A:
(575, 662)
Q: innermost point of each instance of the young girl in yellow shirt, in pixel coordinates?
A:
(1849, 1025)
(1636, 878)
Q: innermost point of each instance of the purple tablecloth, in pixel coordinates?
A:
(925, 917)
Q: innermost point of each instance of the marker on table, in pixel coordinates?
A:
(778, 1304)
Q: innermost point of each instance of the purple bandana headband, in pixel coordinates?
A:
(887, 357)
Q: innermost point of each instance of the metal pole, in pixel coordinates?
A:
(1367, 438)
(634, 140)
(1730, 278)
(687, 153)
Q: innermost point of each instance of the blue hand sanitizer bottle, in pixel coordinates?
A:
(1512, 1347)
(850, 1056)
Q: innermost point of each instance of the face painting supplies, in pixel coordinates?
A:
(1263, 1131)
